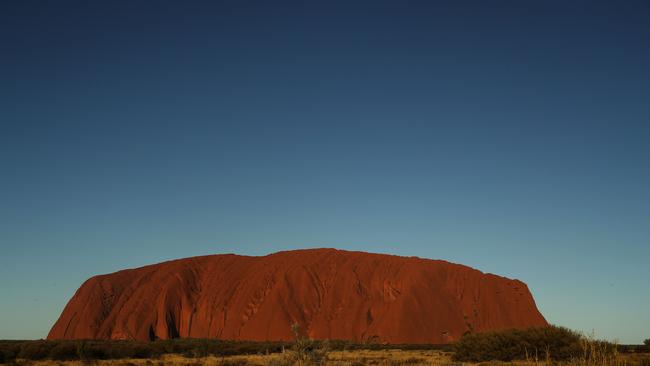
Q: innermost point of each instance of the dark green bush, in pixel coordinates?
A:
(36, 350)
(64, 351)
(5, 357)
(554, 342)
(8, 351)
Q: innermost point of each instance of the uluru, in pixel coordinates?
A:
(330, 293)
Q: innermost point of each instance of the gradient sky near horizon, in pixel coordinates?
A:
(510, 136)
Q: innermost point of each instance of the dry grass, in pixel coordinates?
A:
(334, 358)
(351, 358)
(388, 358)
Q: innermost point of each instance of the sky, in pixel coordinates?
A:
(510, 136)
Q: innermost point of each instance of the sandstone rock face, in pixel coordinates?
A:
(332, 294)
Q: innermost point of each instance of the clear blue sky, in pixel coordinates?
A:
(511, 136)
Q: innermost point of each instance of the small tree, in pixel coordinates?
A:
(307, 352)
(646, 343)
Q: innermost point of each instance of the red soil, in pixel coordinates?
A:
(331, 293)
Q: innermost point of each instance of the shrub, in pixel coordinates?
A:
(306, 351)
(556, 343)
(64, 351)
(646, 345)
(141, 351)
(37, 350)
(5, 357)
(8, 351)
